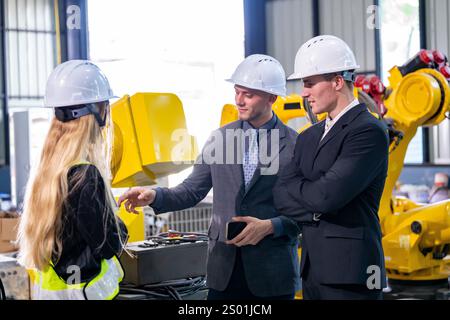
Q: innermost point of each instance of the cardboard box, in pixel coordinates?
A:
(9, 223)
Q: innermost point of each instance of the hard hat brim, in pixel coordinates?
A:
(246, 85)
(299, 76)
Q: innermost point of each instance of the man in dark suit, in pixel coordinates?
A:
(261, 262)
(335, 181)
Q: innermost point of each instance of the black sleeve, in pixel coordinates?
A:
(285, 203)
(364, 153)
(95, 218)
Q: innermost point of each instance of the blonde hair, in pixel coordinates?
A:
(66, 144)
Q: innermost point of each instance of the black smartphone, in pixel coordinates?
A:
(234, 228)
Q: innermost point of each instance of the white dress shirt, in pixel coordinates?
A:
(329, 123)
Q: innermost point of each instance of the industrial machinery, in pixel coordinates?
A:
(416, 236)
(165, 255)
(150, 141)
(171, 265)
(14, 281)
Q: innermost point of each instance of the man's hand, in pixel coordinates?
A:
(137, 197)
(253, 233)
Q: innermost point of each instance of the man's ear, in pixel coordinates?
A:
(338, 83)
(272, 98)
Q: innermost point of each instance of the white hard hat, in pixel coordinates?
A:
(76, 82)
(322, 55)
(260, 72)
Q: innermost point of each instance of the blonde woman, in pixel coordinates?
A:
(69, 235)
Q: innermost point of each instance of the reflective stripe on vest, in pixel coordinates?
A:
(47, 285)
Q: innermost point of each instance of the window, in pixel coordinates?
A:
(184, 47)
(30, 57)
(400, 40)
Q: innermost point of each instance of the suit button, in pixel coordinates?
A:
(244, 207)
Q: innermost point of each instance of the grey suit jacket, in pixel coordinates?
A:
(271, 267)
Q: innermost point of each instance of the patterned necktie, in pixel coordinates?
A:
(251, 157)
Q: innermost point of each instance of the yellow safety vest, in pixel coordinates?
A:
(47, 285)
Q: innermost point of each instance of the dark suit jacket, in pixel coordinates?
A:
(272, 266)
(342, 177)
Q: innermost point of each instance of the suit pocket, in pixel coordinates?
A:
(337, 231)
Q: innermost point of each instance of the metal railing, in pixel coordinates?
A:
(195, 219)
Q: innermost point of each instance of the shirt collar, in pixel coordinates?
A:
(269, 125)
(352, 104)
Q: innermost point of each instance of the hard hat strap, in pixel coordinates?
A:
(349, 76)
(71, 113)
(68, 114)
(92, 108)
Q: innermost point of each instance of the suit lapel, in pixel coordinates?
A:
(236, 167)
(282, 144)
(339, 125)
(317, 134)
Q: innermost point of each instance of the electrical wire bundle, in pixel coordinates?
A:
(184, 236)
(174, 237)
(166, 290)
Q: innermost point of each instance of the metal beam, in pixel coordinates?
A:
(255, 27)
(72, 34)
(423, 24)
(5, 174)
(378, 66)
(316, 17)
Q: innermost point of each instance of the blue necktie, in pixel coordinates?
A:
(251, 157)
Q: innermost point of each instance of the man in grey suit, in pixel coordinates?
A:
(240, 162)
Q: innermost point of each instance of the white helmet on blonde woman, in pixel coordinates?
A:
(76, 82)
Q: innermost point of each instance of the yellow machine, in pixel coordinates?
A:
(151, 141)
(416, 237)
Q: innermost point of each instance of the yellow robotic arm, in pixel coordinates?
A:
(151, 141)
(416, 237)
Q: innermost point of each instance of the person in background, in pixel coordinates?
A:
(440, 190)
(69, 234)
